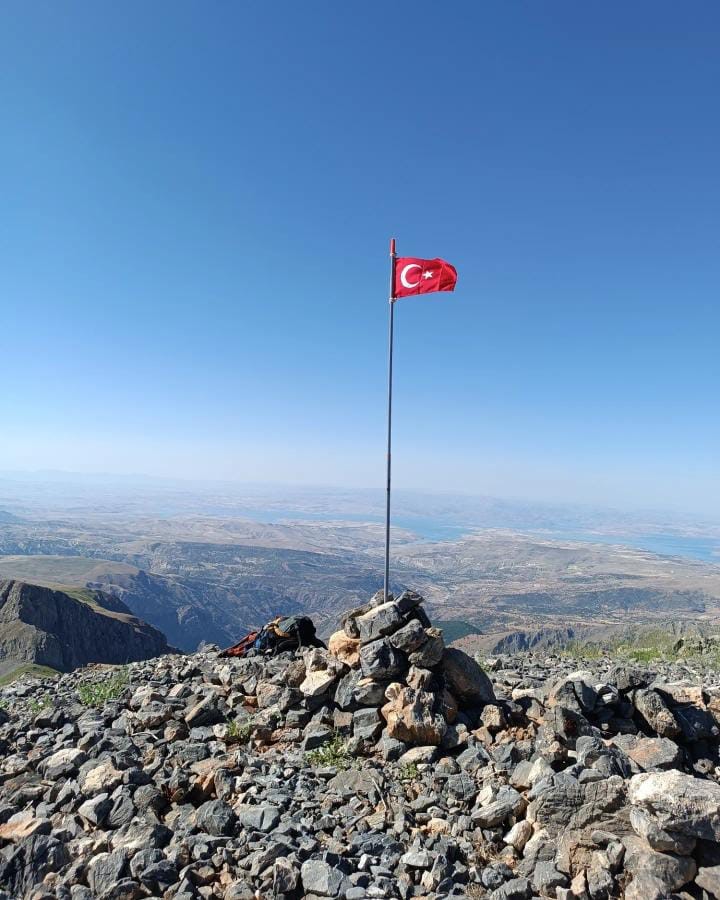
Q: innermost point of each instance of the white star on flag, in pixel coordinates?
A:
(427, 274)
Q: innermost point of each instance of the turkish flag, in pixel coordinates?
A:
(422, 276)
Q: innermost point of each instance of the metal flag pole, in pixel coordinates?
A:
(389, 418)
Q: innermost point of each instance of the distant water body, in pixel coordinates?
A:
(427, 529)
(706, 549)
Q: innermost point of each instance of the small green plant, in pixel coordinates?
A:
(98, 693)
(409, 770)
(334, 753)
(239, 732)
(38, 704)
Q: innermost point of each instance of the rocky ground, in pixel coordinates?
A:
(388, 766)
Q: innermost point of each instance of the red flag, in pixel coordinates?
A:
(422, 276)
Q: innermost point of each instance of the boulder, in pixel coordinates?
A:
(654, 711)
(679, 803)
(465, 679)
(409, 637)
(317, 682)
(431, 651)
(380, 660)
(653, 753)
(411, 716)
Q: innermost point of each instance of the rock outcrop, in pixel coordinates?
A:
(360, 773)
(51, 628)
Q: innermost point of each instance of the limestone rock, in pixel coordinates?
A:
(679, 802)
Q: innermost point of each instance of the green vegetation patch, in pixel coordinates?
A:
(649, 645)
(97, 693)
(333, 754)
(240, 732)
(30, 670)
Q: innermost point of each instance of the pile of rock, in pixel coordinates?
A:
(388, 766)
(386, 682)
(388, 670)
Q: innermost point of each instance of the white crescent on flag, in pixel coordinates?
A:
(403, 276)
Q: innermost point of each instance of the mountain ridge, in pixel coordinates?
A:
(47, 627)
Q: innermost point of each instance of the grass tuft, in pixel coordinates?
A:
(333, 754)
(99, 692)
(409, 770)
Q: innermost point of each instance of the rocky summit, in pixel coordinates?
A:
(387, 766)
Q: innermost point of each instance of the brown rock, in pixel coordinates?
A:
(344, 648)
(24, 828)
(411, 716)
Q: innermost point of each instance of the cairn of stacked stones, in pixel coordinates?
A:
(397, 680)
(209, 778)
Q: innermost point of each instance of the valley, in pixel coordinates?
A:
(191, 565)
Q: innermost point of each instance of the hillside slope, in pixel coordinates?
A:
(42, 626)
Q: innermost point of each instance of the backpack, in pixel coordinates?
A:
(294, 632)
(280, 634)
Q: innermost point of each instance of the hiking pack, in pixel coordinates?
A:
(279, 635)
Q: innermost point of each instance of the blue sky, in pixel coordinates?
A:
(196, 205)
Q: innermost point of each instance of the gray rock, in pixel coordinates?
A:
(651, 754)
(379, 621)
(645, 886)
(381, 660)
(320, 878)
(96, 809)
(161, 874)
(515, 889)
(647, 826)
(204, 712)
(672, 870)
(216, 817)
(708, 878)
(493, 814)
(32, 859)
(263, 817)
(285, 876)
(430, 653)
(105, 870)
(655, 712)
(546, 878)
(417, 859)
(316, 736)
(408, 638)
(367, 724)
(63, 764)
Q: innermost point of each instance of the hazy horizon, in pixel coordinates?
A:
(451, 503)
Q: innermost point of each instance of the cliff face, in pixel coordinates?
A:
(50, 628)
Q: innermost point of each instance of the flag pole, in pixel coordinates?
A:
(389, 418)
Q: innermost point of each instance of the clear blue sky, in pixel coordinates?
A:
(196, 201)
